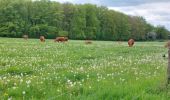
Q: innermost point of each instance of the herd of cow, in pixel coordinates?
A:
(57, 39)
(42, 38)
(64, 39)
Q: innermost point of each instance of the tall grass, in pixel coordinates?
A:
(66, 71)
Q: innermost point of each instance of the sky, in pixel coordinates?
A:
(155, 12)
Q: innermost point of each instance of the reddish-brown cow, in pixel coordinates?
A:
(88, 42)
(61, 39)
(167, 45)
(131, 42)
(42, 38)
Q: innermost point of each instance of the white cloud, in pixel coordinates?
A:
(155, 13)
(62, 1)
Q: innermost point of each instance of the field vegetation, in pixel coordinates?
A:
(103, 70)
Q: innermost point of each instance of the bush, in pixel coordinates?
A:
(151, 36)
(63, 33)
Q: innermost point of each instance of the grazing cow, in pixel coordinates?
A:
(119, 42)
(61, 39)
(88, 42)
(42, 38)
(167, 45)
(25, 37)
(131, 42)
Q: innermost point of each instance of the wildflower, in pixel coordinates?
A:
(10, 98)
(23, 92)
(21, 80)
(14, 87)
(5, 94)
(28, 82)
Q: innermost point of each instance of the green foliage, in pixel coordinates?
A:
(34, 31)
(49, 18)
(16, 70)
(162, 32)
(151, 36)
(63, 33)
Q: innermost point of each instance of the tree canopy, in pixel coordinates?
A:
(51, 19)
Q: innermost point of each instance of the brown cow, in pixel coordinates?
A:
(42, 38)
(88, 42)
(25, 37)
(131, 42)
(61, 39)
(119, 41)
(167, 45)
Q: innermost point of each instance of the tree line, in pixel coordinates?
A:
(87, 21)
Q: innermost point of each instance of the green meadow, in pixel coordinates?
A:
(103, 70)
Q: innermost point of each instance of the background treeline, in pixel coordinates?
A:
(51, 19)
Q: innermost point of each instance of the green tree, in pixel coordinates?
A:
(92, 22)
(50, 18)
(162, 32)
(78, 23)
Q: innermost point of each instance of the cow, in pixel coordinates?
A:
(131, 42)
(88, 42)
(25, 37)
(61, 39)
(167, 45)
(42, 38)
(119, 41)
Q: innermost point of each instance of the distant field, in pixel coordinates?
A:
(103, 70)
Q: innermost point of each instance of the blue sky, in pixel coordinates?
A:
(155, 12)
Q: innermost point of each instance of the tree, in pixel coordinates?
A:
(50, 18)
(92, 22)
(78, 23)
(162, 32)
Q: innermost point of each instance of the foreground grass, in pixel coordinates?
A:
(73, 70)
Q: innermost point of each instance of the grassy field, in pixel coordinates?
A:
(76, 71)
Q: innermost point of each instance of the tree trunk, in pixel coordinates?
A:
(168, 69)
